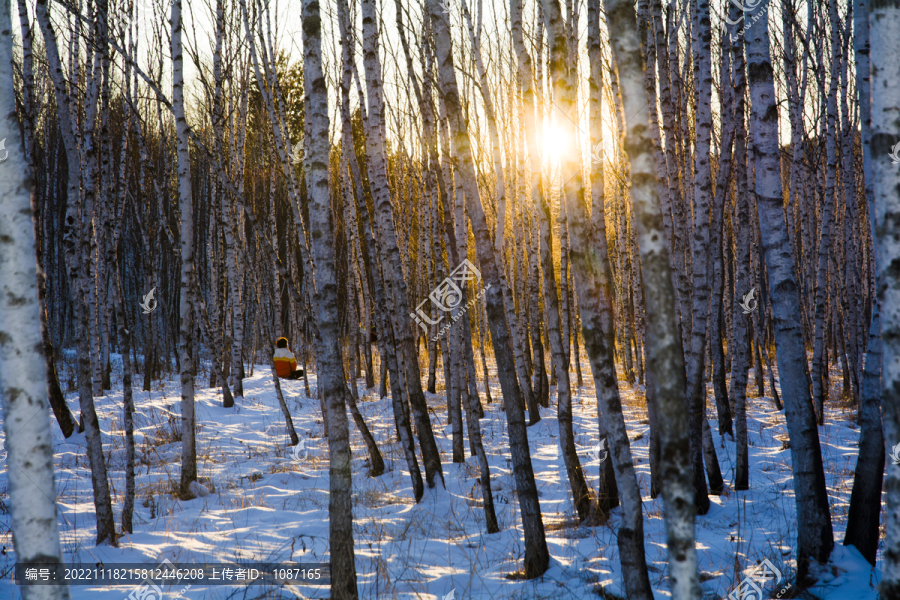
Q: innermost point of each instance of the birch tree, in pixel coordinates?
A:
(884, 25)
(75, 258)
(390, 252)
(23, 383)
(815, 537)
(186, 301)
(328, 353)
(865, 498)
(536, 553)
(664, 351)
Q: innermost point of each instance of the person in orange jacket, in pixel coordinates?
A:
(285, 362)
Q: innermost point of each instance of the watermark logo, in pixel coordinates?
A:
(295, 451)
(148, 590)
(748, 302)
(746, 6)
(597, 154)
(894, 154)
(751, 588)
(3, 148)
(895, 455)
(149, 304)
(297, 153)
(447, 296)
(599, 452)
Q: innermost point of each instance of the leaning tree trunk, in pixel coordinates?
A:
(330, 369)
(75, 259)
(537, 557)
(608, 492)
(865, 499)
(512, 319)
(390, 252)
(125, 340)
(664, 351)
(276, 381)
(57, 399)
(23, 389)
(389, 361)
(814, 529)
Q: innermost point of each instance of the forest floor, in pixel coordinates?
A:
(270, 503)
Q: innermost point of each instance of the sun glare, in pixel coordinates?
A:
(556, 143)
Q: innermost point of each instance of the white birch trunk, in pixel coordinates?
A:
(186, 300)
(23, 389)
(813, 517)
(664, 351)
(328, 355)
(865, 498)
(76, 264)
(390, 252)
(884, 27)
(57, 398)
(536, 553)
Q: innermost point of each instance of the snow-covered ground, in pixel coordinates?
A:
(270, 502)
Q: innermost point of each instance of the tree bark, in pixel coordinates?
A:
(186, 300)
(390, 252)
(57, 399)
(385, 328)
(537, 556)
(664, 351)
(72, 244)
(23, 389)
(865, 498)
(813, 517)
(328, 355)
(592, 279)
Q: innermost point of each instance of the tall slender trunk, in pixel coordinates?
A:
(608, 497)
(818, 360)
(741, 221)
(328, 355)
(664, 351)
(717, 233)
(519, 342)
(696, 390)
(592, 278)
(541, 383)
(813, 517)
(72, 244)
(389, 362)
(865, 498)
(57, 399)
(186, 300)
(556, 324)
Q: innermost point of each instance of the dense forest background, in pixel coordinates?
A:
(695, 199)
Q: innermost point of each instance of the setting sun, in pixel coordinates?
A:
(555, 143)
